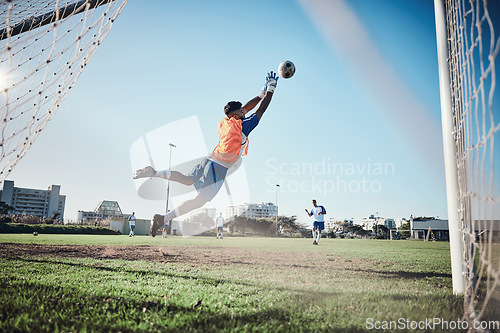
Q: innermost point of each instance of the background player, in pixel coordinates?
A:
(219, 224)
(131, 221)
(319, 213)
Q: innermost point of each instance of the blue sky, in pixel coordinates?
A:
(163, 61)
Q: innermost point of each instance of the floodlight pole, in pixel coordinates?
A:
(450, 150)
(277, 185)
(168, 181)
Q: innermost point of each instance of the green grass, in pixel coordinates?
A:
(15, 228)
(237, 284)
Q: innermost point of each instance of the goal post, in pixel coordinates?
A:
(468, 45)
(450, 151)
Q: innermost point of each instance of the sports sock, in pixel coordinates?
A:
(318, 237)
(314, 235)
(184, 208)
(165, 174)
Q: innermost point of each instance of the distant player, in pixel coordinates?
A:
(319, 213)
(131, 222)
(208, 176)
(219, 222)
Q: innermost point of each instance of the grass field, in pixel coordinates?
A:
(115, 283)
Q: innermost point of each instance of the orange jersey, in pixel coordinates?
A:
(232, 142)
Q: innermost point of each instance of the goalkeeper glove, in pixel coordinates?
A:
(271, 81)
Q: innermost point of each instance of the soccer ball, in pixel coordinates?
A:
(286, 69)
(35, 233)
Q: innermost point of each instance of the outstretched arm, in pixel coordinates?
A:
(264, 97)
(264, 104)
(271, 82)
(251, 104)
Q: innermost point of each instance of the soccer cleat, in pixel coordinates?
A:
(157, 224)
(314, 243)
(145, 172)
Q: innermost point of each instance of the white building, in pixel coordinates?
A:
(255, 211)
(42, 203)
(232, 211)
(331, 223)
(371, 222)
(104, 210)
(439, 229)
(210, 212)
(400, 221)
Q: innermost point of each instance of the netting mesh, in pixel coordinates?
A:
(473, 46)
(44, 47)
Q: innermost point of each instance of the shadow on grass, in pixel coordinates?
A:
(201, 279)
(31, 306)
(70, 308)
(28, 306)
(402, 274)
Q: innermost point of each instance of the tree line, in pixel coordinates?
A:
(286, 225)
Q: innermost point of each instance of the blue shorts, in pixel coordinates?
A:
(208, 178)
(319, 225)
(132, 227)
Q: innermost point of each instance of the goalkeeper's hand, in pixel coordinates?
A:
(271, 81)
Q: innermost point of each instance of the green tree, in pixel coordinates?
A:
(52, 219)
(240, 224)
(287, 225)
(261, 226)
(5, 208)
(356, 229)
(404, 230)
(204, 219)
(381, 232)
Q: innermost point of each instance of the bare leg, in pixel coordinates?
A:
(186, 207)
(183, 208)
(175, 176)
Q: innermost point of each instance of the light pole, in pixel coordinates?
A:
(277, 185)
(168, 181)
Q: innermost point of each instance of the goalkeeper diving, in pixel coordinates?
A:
(208, 176)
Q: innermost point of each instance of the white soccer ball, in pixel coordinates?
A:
(286, 69)
(35, 233)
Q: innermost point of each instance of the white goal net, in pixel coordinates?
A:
(44, 47)
(473, 45)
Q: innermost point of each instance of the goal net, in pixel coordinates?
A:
(473, 45)
(44, 47)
